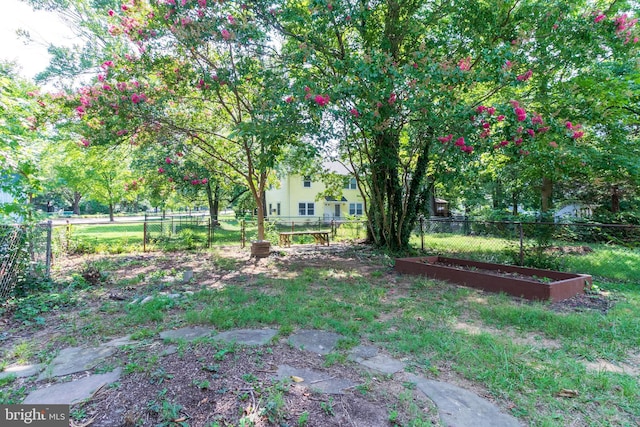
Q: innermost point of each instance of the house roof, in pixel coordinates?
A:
(333, 199)
(336, 167)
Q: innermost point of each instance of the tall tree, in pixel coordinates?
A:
(207, 74)
(403, 76)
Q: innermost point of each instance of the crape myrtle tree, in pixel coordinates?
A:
(207, 73)
(417, 87)
(169, 165)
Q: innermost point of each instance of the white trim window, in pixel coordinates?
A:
(306, 209)
(306, 182)
(355, 208)
(351, 184)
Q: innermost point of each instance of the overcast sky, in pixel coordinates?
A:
(44, 27)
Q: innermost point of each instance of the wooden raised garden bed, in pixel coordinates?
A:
(529, 283)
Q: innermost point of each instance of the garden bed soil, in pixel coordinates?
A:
(529, 283)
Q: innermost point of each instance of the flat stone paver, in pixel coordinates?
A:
(120, 342)
(382, 363)
(247, 336)
(315, 380)
(72, 392)
(461, 408)
(319, 342)
(21, 371)
(188, 334)
(76, 359)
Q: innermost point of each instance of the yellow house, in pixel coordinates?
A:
(298, 198)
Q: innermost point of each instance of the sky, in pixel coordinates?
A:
(44, 27)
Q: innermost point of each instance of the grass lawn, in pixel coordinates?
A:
(548, 365)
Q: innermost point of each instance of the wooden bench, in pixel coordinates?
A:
(321, 237)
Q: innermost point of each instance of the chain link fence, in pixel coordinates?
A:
(25, 252)
(575, 247)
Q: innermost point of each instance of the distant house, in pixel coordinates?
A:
(574, 210)
(298, 198)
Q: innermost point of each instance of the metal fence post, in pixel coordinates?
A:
(211, 231)
(242, 231)
(144, 235)
(521, 243)
(49, 252)
(68, 235)
(422, 233)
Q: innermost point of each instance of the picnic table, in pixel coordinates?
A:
(320, 237)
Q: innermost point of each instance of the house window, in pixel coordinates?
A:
(355, 208)
(306, 182)
(351, 184)
(278, 208)
(270, 208)
(306, 209)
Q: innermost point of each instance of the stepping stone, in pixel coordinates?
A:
(169, 350)
(21, 371)
(315, 380)
(319, 342)
(247, 336)
(76, 359)
(462, 408)
(187, 334)
(368, 356)
(120, 342)
(73, 391)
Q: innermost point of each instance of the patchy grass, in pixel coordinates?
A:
(523, 354)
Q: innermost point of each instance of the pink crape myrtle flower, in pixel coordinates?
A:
(111, 12)
(465, 64)
(85, 142)
(160, 170)
(168, 161)
(107, 64)
(354, 112)
(553, 144)
(577, 134)
(392, 98)
(202, 3)
(288, 99)
(460, 142)
(321, 100)
(524, 77)
(600, 17)
(531, 132)
(225, 34)
(204, 180)
(135, 98)
(500, 117)
(445, 139)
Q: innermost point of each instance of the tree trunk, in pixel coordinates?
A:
(514, 203)
(615, 199)
(216, 201)
(498, 195)
(212, 199)
(546, 193)
(76, 202)
(111, 212)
